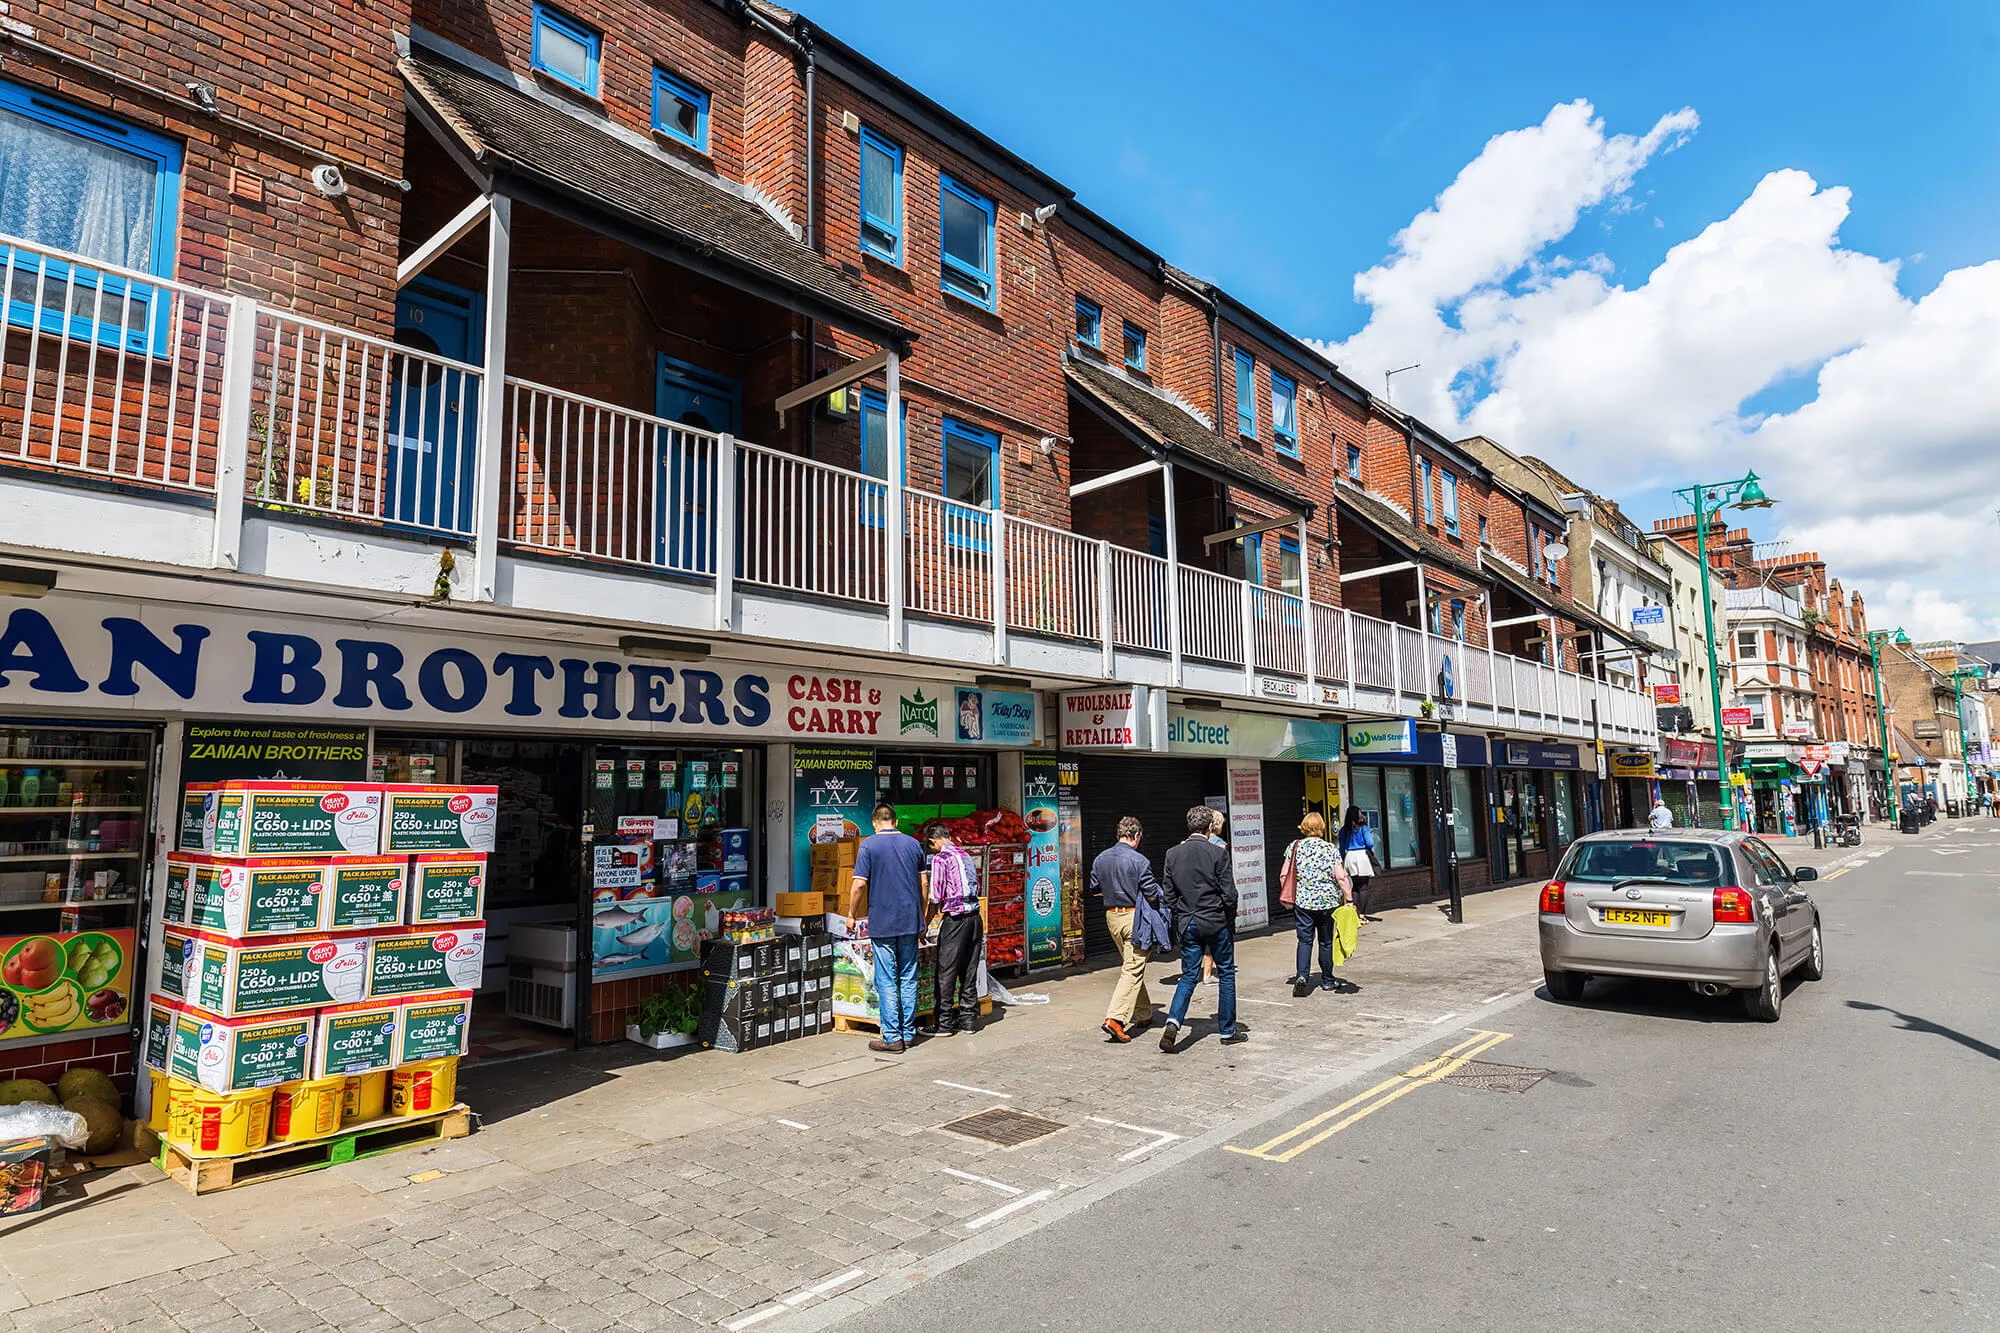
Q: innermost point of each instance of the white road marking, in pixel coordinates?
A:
(756, 1317)
(967, 1087)
(1442, 1017)
(1281, 1004)
(793, 1124)
(1165, 1136)
(828, 1286)
(981, 1180)
(1391, 1018)
(1491, 998)
(1004, 1209)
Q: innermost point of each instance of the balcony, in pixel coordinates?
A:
(158, 424)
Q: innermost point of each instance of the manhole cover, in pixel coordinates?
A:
(1495, 1078)
(1009, 1129)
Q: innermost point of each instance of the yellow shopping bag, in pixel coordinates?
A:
(1346, 930)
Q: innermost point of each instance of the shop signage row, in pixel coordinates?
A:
(1119, 718)
(84, 653)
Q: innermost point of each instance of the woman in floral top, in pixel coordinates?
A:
(1322, 885)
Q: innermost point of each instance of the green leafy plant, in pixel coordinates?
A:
(669, 1011)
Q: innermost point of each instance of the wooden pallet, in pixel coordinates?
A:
(869, 1027)
(206, 1175)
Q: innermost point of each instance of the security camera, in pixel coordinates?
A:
(1044, 213)
(328, 181)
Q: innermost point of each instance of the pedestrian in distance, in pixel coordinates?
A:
(1357, 855)
(1201, 890)
(1319, 885)
(1661, 818)
(1217, 826)
(954, 896)
(1123, 875)
(890, 868)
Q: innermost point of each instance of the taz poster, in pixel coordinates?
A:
(1069, 843)
(832, 792)
(1041, 794)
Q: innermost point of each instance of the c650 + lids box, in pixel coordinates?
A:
(356, 1038)
(423, 817)
(435, 1027)
(447, 886)
(366, 891)
(256, 896)
(235, 980)
(295, 818)
(237, 1054)
(421, 960)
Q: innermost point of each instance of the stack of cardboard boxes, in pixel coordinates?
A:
(766, 991)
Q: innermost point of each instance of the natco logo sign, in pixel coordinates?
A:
(919, 715)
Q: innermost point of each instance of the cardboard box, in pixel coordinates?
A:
(231, 979)
(836, 855)
(366, 891)
(176, 948)
(801, 904)
(256, 896)
(419, 961)
(237, 1054)
(435, 1027)
(843, 899)
(355, 1038)
(182, 867)
(292, 819)
(160, 1014)
(194, 831)
(424, 817)
(447, 887)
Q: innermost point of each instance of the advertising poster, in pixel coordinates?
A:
(258, 752)
(1069, 844)
(832, 793)
(1041, 788)
(64, 982)
(994, 717)
(1246, 843)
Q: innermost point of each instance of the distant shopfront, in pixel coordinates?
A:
(1539, 793)
(1424, 792)
(1690, 783)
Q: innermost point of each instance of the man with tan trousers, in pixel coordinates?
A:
(1124, 876)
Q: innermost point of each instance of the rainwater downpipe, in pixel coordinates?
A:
(801, 47)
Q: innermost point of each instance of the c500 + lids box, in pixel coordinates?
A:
(356, 1038)
(238, 1054)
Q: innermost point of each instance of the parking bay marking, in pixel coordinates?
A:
(789, 1303)
(1373, 1100)
(1162, 1136)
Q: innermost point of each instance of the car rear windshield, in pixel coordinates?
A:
(1696, 864)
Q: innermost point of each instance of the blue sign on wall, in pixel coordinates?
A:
(1649, 615)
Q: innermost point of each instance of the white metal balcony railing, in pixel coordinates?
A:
(127, 377)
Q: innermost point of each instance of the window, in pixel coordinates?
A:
(1449, 485)
(1285, 414)
(73, 180)
(875, 452)
(1290, 573)
(1535, 552)
(1482, 530)
(1089, 321)
(1469, 813)
(1253, 557)
(1388, 798)
(965, 227)
(1759, 720)
(680, 110)
(1135, 346)
(1746, 644)
(1354, 461)
(881, 197)
(1424, 478)
(1246, 394)
(1434, 615)
(566, 50)
(1458, 619)
(969, 457)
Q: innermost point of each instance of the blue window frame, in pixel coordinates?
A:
(1246, 393)
(1253, 558)
(680, 110)
(1482, 529)
(965, 249)
(83, 182)
(1535, 552)
(1284, 414)
(1354, 461)
(971, 457)
(1448, 484)
(881, 197)
(1135, 346)
(566, 50)
(1458, 620)
(1424, 479)
(1089, 322)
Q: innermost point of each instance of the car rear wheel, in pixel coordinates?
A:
(1565, 986)
(1765, 1003)
(1814, 967)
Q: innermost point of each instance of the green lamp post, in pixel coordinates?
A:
(1876, 638)
(1708, 501)
(1959, 676)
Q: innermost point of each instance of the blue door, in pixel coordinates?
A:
(433, 412)
(682, 523)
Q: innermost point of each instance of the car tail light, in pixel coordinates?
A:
(1552, 898)
(1732, 907)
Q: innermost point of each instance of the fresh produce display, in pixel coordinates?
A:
(17, 1091)
(82, 1082)
(105, 1120)
(983, 827)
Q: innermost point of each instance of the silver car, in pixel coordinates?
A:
(1720, 911)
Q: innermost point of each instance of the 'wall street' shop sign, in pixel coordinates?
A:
(86, 655)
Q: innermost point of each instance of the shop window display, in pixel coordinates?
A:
(927, 785)
(1470, 812)
(1390, 799)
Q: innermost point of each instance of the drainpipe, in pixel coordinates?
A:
(801, 47)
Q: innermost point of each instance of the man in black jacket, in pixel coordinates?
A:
(1201, 894)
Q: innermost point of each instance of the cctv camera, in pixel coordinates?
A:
(328, 181)
(1044, 213)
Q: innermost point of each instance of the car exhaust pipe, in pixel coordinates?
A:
(1709, 988)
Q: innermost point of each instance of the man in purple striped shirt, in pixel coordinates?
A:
(954, 882)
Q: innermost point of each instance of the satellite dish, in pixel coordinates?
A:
(1556, 550)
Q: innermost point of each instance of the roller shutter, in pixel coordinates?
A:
(1156, 791)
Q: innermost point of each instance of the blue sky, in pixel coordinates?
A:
(1809, 280)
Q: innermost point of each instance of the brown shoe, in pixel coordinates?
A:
(1116, 1030)
(886, 1047)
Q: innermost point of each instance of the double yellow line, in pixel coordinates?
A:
(1373, 1100)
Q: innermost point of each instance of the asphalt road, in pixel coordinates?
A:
(1681, 1167)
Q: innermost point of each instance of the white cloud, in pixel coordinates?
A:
(1890, 470)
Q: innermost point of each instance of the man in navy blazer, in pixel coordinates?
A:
(1124, 876)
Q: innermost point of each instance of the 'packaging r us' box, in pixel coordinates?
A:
(421, 960)
(355, 1038)
(235, 980)
(366, 891)
(423, 817)
(237, 1054)
(293, 818)
(447, 887)
(254, 897)
(435, 1027)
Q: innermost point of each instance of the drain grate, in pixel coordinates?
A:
(1009, 1129)
(1495, 1078)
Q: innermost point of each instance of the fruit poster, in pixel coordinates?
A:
(64, 982)
(832, 794)
(1040, 788)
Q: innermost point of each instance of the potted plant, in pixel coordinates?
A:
(666, 1020)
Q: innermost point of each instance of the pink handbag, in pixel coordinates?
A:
(1288, 881)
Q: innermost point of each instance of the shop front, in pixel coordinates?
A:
(1779, 805)
(1426, 793)
(1539, 792)
(1633, 785)
(1690, 784)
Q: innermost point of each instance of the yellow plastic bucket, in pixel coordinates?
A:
(225, 1124)
(180, 1111)
(308, 1109)
(423, 1086)
(365, 1097)
(157, 1113)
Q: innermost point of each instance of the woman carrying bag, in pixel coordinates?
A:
(1313, 884)
(1357, 855)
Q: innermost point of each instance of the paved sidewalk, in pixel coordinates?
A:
(613, 1189)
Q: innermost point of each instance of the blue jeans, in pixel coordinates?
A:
(896, 985)
(1222, 948)
(1309, 925)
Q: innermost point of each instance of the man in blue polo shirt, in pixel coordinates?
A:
(890, 866)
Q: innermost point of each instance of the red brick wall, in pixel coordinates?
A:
(1186, 365)
(112, 1054)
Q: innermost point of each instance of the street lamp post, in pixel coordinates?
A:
(1876, 638)
(1959, 676)
(1706, 501)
